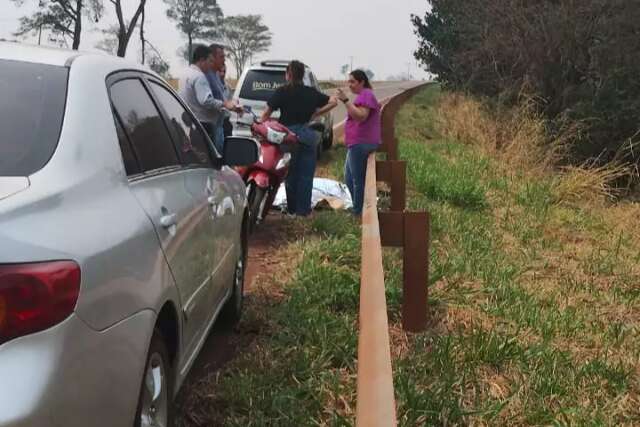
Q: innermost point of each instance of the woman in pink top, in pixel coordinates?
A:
(362, 134)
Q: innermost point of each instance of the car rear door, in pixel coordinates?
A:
(180, 222)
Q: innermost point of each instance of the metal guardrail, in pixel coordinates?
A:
(396, 227)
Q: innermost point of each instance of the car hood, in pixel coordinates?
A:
(10, 185)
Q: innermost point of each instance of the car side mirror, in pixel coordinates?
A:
(239, 151)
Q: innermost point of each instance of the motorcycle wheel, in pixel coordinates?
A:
(256, 196)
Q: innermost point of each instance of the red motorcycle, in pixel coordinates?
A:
(264, 177)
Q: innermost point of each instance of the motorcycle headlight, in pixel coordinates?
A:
(284, 161)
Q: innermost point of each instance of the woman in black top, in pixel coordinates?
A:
(298, 104)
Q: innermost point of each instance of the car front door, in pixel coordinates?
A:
(180, 222)
(208, 186)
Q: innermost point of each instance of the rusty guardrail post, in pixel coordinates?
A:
(394, 173)
(407, 230)
(410, 231)
(389, 141)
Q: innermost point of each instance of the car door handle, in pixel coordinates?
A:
(168, 220)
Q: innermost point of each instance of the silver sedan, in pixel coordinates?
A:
(122, 238)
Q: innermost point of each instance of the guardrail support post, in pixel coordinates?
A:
(394, 172)
(389, 141)
(415, 271)
(410, 231)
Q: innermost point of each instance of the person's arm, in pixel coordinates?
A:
(205, 96)
(266, 115)
(274, 103)
(359, 113)
(333, 103)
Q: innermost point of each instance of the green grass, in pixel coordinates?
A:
(495, 265)
(534, 308)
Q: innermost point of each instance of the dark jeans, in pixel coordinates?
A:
(219, 139)
(210, 128)
(355, 172)
(227, 127)
(299, 182)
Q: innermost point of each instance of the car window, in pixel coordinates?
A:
(189, 138)
(259, 85)
(32, 105)
(131, 165)
(307, 79)
(143, 125)
(313, 80)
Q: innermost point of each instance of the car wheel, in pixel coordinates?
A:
(232, 311)
(256, 196)
(155, 406)
(327, 142)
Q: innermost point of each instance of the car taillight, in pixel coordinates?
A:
(34, 297)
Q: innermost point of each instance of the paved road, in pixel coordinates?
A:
(382, 91)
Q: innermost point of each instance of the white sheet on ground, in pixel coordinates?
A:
(326, 193)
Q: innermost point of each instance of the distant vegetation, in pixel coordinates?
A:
(576, 62)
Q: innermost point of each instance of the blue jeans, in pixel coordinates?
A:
(218, 139)
(210, 128)
(355, 172)
(299, 182)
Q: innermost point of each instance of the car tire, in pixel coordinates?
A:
(155, 401)
(327, 141)
(232, 310)
(254, 201)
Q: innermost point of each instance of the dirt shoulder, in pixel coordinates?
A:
(224, 344)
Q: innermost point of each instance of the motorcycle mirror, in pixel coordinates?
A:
(240, 151)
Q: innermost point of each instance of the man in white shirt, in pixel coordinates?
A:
(195, 90)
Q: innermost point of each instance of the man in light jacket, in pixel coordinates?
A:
(194, 88)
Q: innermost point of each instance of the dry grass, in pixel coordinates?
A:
(518, 139)
(517, 135)
(588, 184)
(549, 310)
(625, 216)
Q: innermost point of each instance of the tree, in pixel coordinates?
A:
(344, 70)
(142, 39)
(244, 36)
(369, 73)
(110, 41)
(61, 17)
(126, 28)
(196, 19)
(577, 60)
(156, 62)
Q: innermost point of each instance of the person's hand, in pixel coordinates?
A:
(231, 105)
(341, 95)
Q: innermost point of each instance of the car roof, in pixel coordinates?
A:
(39, 54)
(65, 57)
(274, 65)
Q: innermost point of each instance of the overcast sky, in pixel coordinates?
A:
(324, 34)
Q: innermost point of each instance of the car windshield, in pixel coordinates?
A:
(259, 85)
(31, 111)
